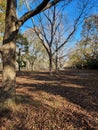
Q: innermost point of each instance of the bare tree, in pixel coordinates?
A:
(52, 34)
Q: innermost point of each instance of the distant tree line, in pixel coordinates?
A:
(85, 55)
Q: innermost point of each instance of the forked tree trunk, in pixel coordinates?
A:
(8, 51)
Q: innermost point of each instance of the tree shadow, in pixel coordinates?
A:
(46, 117)
(72, 86)
(5, 113)
(86, 98)
(77, 86)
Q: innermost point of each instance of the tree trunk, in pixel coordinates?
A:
(19, 64)
(56, 58)
(50, 64)
(32, 69)
(9, 72)
(9, 51)
(56, 64)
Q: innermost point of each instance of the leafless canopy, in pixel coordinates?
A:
(44, 5)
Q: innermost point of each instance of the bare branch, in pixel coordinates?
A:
(76, 24)
(42, 32)
(54, 2)
(69, 36)
(42, 40)
(38, 32)
(34, 12)
(42, 7)
(51, 4)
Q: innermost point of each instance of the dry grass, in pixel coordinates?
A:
(68, 101)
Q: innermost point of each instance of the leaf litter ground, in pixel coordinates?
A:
(67, 101)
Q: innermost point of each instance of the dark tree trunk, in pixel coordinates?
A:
(9, 51)
(56, 64)
(19, 64)
(50, 64)
(56, 59)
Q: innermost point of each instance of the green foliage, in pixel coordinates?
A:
(22, 44)
(21, 39)
(2, 17)
(21, 62)
(86, 53)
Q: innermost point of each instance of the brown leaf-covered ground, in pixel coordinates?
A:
(67, 101)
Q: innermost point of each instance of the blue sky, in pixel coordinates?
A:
(71, 10)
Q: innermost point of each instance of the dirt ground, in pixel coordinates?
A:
(67, 101)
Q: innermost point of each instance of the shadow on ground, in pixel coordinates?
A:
(78, 87)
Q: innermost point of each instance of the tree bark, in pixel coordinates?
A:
(9, 73)
(9, 51)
